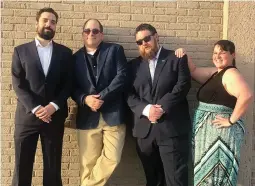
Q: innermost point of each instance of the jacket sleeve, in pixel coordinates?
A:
(134, 101)
(180, 90)
(21, 85)
(77, 94)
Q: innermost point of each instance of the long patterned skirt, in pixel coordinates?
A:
(216, 151)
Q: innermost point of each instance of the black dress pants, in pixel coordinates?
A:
(26, 137)
(165, 162)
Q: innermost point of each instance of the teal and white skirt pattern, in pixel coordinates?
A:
(216, 152)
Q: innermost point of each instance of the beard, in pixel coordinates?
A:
(149, 52)
(46, 34)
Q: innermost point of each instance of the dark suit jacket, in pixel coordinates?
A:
(33, 88)
(110, 84)
(170, 86)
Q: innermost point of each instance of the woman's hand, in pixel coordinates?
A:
(221, 122)
(180, 52)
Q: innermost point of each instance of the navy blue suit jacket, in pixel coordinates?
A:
(169, 89)
(33, 88)
(110, 84)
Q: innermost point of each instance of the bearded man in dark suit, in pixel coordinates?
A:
(41, 77)
(157, 98)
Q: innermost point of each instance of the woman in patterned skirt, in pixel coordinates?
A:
(218, 130)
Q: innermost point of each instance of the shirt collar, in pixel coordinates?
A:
(156, 58)
(94, 52)
(38, 44)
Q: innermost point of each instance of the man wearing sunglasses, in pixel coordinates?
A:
(161, 82)
(99, 84)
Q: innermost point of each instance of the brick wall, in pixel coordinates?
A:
(193, 25)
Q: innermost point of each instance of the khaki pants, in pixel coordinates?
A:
(100, 152)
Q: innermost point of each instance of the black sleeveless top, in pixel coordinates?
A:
(213, 91)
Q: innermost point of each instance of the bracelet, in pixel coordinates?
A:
(230, 121)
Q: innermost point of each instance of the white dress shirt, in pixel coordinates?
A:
(45, 54)
(152, 66)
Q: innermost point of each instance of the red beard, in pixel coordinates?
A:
(148, 52)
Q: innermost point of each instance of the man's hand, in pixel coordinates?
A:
(43, 114)
(50, 109)
(94, 102)
(155, 113)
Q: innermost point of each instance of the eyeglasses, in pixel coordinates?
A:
(94, 31)
(146, 39)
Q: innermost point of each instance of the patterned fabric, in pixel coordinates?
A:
(216, 151)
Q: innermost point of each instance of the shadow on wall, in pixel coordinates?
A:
(245, 170)
(130, 172)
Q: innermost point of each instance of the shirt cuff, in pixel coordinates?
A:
(83, 99)
(55, 105)
(146, 110)
(35, 109)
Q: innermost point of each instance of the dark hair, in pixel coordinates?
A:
(100, 25)
(145, 26)
(228, 46)
(46, 9)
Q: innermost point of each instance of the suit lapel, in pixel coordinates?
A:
(101, 59)
(160, 64)
(84, 64)
(146, 72)
(35, 56)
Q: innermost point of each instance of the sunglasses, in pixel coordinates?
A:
(94, 31)
(146, 39)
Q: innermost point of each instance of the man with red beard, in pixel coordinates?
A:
(41, 78)
(161, 82)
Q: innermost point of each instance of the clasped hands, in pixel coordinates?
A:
(45, 113)
(94, 102)
(155, 113)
